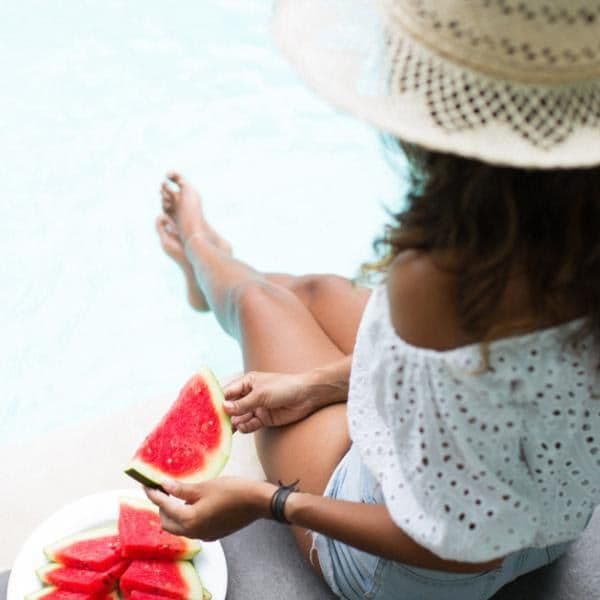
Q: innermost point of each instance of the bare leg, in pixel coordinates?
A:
(277, 332)
(173, 247)
(335, 302)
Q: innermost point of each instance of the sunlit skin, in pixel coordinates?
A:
(296, 336)
(173, 246)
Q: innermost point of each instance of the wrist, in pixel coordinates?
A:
(294, 505)
(309, 389)
(261, 499)
(322, 387)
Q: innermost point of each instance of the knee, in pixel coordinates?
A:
(251, 299)
(309, 288)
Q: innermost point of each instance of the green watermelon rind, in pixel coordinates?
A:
(53, 549)
(191, 577)
(206, 595)
(43, 571)
(45, 591)
(193, 546)
(150, 476)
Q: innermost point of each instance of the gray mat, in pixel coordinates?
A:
(264, 565)
(575, 576)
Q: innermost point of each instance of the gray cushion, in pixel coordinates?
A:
(575, 576)
(264, 564)
(3, 584)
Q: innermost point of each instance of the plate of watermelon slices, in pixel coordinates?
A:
(110, 545)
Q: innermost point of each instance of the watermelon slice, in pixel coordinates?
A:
(81, 580)
(54, 593)
(177, 580)
(136, 595)
(192, 442)
(95, 549)
(142, 536)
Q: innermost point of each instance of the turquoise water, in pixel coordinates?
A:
(104, 96)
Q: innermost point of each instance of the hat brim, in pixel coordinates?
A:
(335, 45)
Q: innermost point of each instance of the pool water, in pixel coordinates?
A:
(106, 95)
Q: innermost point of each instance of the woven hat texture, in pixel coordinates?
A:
(507, 82)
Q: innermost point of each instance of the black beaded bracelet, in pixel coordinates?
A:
(279, 498)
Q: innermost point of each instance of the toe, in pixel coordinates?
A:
(169, 239)
(176, 177)
(168, 197)
(165, 225)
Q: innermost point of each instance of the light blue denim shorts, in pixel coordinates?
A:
(355, 575)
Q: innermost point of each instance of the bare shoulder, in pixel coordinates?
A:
(422, 302)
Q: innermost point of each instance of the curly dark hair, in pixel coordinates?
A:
(492, 218)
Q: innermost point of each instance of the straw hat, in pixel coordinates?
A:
(505, 81)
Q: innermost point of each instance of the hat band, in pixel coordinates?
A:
(535, 61)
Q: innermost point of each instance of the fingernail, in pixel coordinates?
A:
(167, 483)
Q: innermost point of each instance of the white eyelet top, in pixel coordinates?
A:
(475, 466)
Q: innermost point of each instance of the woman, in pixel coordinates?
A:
(449, 443)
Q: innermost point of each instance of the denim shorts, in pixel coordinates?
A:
(355, 575)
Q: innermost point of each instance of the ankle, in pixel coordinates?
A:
(196, 239)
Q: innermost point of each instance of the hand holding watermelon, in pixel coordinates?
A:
(212, 509)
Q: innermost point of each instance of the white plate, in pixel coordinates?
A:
(95, 511)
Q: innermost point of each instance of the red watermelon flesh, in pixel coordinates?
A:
(81, 580)
(54, 593)
(137, 595)
(93, 550)
(142, 535)
(192, 442)
(177, 580)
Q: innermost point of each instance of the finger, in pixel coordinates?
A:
(238, 387)
(237, 421)
(168, 505)
(254, 424)
(190, 492)
(170, 525)
(243, 405)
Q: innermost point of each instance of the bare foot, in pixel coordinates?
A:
(173, 247)
(184, 205)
